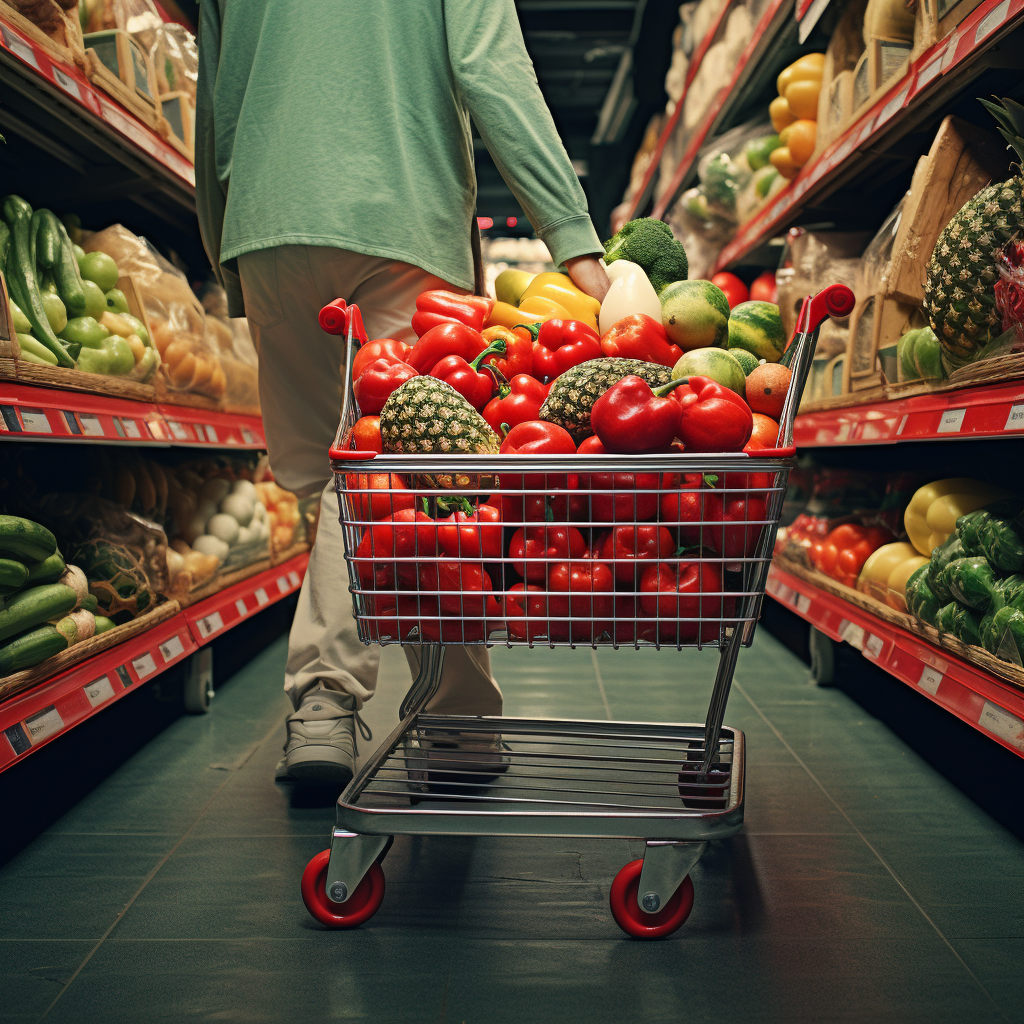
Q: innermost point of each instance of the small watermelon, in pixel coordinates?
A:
(695, 314)
(746, 359)
(715, 363)
(757, 327)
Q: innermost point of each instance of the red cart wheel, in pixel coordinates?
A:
(357, 909)
(634, 921)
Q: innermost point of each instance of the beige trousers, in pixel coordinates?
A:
(300, 394)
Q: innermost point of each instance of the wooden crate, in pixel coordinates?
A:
(133, 83)
(176, 108)
(64, 46)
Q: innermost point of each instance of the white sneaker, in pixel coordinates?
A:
(321, 744)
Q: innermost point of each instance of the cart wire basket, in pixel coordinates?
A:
(595, 550)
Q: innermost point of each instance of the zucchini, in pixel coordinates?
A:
(25, 540)
(103, 624)
(21, 276)
(30, 607)
(49, 570)
(47, 243)
(65, 267)
(12, 574)
(30, 649)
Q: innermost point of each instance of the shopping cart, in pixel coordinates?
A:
(691, 540)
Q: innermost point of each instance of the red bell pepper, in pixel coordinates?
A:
(470, 532)
(627, 546)
(365, 436)
(526, 609)
(517, 401)
(561, 344)
(687, 590)
(448, 339)
(685, 506)
(438, 306)
(614, 497)
(740, 516)
(376, 495)
(640, 337)
(474, 384)
(537, 437)
(383, 348)
(409, 534)
(537, 508)
(378, 381)
(629, 417)
(514, 350)
(464, 589)
(713, 418)
(588, 601)
(546, 544)
(844, 551)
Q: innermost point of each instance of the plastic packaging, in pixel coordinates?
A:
(233, 343)
(176, 316)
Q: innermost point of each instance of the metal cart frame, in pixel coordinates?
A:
(673, 786)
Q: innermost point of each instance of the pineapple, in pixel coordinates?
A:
(574, 392)
(959, 294)
(426, 416)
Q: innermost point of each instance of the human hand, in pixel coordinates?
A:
(589, 275)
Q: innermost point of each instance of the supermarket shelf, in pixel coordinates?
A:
(39, 715)
(990, 705)
(931, 82)
(644, 194)
(753, 63)
(993, 411)
(30, 413)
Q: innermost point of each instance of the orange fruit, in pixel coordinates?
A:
(782, 161)
(802, 97)
(801, 137)
(767, 387)
(779, 112)
(765, 433)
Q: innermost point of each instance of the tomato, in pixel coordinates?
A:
(763, 287)
(764, 435)
(735, 290)
(376, 495)
(366, 435)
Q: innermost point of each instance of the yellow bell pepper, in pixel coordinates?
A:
(505, 315)
(874, 575)
(560, 291)
(934, 509)
(545, 308)
(897, 597)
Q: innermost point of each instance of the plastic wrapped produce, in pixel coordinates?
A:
(175, 58)
(235, 349)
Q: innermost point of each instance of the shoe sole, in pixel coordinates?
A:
(308, 766)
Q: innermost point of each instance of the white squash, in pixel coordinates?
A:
(224, 527)
(630, 293)
(210, 545)
(239, 507)
(246, 488)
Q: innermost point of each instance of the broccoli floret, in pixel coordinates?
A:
(651, 244)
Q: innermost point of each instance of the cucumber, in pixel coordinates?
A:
(30, 649)
(30, 607)
(35, 351)
(103, 624)
(47, 242)
(21, 324)
(65, 265)
(12, 574)
(25, 540)
(90, 604)
(49, 570)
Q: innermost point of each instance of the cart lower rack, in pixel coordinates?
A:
(668, 550)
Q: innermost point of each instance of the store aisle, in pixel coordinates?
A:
(864, 887)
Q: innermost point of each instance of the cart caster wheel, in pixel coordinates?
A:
(356, 910)
(634, 921)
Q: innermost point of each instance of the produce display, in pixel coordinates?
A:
(794, 114)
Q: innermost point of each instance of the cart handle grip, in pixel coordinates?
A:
(338, 317)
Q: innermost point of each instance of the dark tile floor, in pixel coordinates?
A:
(864, 888)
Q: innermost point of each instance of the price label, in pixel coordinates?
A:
(171, 649)
(1015, 420)
(211, 433)
(144, 665)
(91, 425)
(930, 71)
(1000, 723)
(991, 21)
(930, 679)
(802, 602)
(294, 577)
(895, 104)
(210, 624)
(282, 585)
(98, 691)
(873, 645)
(35, 421)
(131, 428)
(68, 84)
(241, 608)
(852, 634)
(261, 597)
(43, 724)
(178, 432)
(248, 436)
(951, 422)
(20, 48)
(844, 432)
(783, 592)
(903, 423)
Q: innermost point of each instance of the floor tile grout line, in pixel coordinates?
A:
(895, 877)
(163, 860)
(600, 683)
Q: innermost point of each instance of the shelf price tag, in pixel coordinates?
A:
(172, 648)
(248, 436)
(852, 634)
(241, 608)
(1001, 723)
(873, 646)
(131, 428)
(1015, 419)
(20, 48)
(991, 21)
(68, 84)
(35, 421)
(210, 624)
(43, 724)
(282, 585)
(90, 424)
(930, 679)
(261, 597)
(144, 665)
(178, 432)
(951, 422)
(98, 691)
(294, 577)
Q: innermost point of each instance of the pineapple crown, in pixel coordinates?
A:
(1010, 116)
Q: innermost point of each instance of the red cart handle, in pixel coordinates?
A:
(836, 301)
(335, 318)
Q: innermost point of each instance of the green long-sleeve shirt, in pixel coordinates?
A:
(347, 123)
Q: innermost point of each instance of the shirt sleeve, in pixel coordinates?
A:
(211, 192)
(495, 77)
